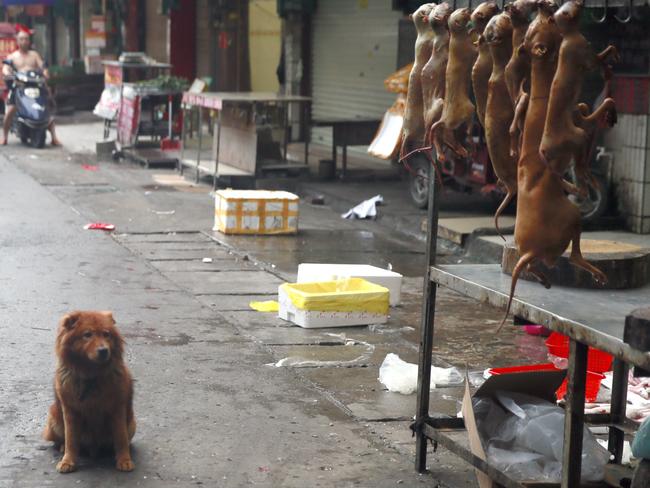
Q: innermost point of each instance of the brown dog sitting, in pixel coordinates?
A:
(93, 406)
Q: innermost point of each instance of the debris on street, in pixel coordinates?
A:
(401, 377)
(366, 209)
(99, 226)
(267, 306)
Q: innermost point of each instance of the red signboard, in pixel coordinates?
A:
(112, 75)
(7, 46)
(128, 118)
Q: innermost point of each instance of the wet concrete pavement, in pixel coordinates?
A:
(201, 356)
(209, 411)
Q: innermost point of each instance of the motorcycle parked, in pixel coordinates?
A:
(31, 97)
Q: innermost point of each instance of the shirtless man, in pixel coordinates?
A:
(24, 59)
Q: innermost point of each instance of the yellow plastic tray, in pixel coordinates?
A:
(348, 295)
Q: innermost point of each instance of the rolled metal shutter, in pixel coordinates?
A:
(354, 48)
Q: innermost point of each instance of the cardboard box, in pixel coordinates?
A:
(541, 384)
(255, 212)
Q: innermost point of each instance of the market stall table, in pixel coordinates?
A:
(138, 118)
(116, 73)
(591, 318)
(244, 143)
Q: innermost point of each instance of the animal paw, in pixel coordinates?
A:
(125, 465)
(65, 466)
(601, 279)
(462, 152)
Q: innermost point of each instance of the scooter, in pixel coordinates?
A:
(32, 99)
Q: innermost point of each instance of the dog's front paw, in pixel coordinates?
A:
(125, 464)
(65, 466)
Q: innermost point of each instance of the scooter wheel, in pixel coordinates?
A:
(38, 138)
(23, 133)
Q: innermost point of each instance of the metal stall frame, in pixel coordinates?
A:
(598, 322)
(216, 101)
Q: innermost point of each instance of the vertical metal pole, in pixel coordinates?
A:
(426, 341)
(344, 161)
(198, 156)
(215, 181)
(286, 130)
(307, 122)
(183, 136)
(334, 147)
(619, 400)
(574, 415)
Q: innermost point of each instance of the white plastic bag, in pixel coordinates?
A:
(523, 436)
(402, 377)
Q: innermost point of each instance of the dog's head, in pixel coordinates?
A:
(89, 338)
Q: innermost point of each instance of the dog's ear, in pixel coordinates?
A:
(109, 315)
(69, 320)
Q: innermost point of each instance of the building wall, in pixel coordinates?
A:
(157, 32)
(629, 140)
(354, 49)
(63, 46)
(203, 39)
(264, 44)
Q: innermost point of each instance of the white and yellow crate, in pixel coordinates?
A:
(255, 212)
(338, 303)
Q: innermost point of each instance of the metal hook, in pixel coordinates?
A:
(602, 19)
(629, 14)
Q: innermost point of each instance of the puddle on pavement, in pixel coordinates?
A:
(343, 353)
(325, 246)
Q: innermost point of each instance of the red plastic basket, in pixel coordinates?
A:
(591, 388)
(523, 369)
(170, 144)
(597, 361)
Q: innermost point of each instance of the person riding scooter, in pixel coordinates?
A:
(22, 60)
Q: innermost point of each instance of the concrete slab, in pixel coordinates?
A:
(457, 229)
(233, 303)
(187, 255)
(322, 240)
(270, 329)
(228, 282)
(199, 266)
(442, 464)
(142, 247)
(162, 237)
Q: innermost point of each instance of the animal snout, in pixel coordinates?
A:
(103, 353)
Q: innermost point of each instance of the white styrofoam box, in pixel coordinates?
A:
(255, 212)
(309, 272)
(311, 319)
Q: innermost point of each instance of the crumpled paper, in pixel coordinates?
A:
(366, 209)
